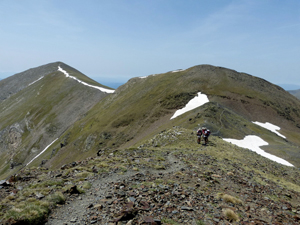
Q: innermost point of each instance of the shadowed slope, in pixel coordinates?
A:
(40, 110)
(296, 93)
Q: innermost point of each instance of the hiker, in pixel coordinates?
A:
(205, 133)
(199, 134)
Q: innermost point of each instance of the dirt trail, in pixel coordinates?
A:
(76, 211)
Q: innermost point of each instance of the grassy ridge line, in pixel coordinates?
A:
(136, 109)
(75, 73)
(44, 109)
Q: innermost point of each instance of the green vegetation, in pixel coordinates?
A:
(133, 130)
(211, 164)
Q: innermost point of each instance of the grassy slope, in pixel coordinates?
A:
(44, 110)
(228, 162)
(184, 141)
(143, 107)
(296, 93)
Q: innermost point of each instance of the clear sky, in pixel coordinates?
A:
(115, 40)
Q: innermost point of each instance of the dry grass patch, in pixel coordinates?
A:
(160, 158)
(159, 167)
(102, 165)
(86, 185)
(179, 173)
(30, 213)
(48, 183)
(84, 174)
(56, 198)
(135, 169)
(229, 198)
(230, 215)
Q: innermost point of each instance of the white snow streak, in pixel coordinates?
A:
(179, 70)
(174, 71)
(149, 76)
(86, 84)
(270, 127)
(35, 81)
(253, 143)
(199, 100)
(42, 152)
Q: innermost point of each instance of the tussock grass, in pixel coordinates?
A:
(169, 221)
(135, 169)
(84, 174)
(159, 181)
(56, 198)
(102, 165)
(47, 183)
(86, 185)
(229, 198)
(230, 215)
(160, 167)
(30, 213)
(160, 158)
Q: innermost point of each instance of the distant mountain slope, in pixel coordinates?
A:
(296, 93)
(38, 105)
(143, 107)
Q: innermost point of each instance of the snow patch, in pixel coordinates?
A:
(174, 71)
(86, 84)
(253, 143)
(35, 81)
(42, 152)
(149, 76)
(270, 127)
(179, 70)
(197, 101)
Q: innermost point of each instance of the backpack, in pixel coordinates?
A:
(207, 133)
(199, 132)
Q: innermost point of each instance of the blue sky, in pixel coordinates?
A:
(115, 40)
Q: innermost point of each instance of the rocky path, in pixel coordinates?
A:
(195, 194)
(77, 207)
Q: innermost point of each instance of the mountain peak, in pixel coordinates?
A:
(38, 105)
(55, 130)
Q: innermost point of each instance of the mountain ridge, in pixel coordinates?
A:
(46, 108)
(124, 117)
(296, 93)
(135, 163)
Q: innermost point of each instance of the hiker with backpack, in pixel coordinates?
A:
(205, 133)
(199, 134)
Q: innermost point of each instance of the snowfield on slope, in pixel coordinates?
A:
(35, 81)
(270, 127)
(194, 103)
(86, 84)
(41, 152)
(253, 143)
